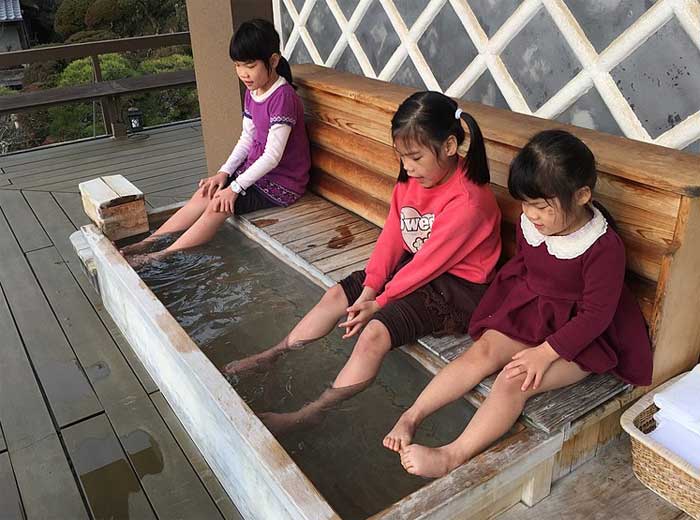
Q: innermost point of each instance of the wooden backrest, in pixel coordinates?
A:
(651, 191)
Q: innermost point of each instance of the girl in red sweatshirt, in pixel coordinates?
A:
(433, 259)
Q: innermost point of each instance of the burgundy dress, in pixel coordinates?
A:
(570, 292)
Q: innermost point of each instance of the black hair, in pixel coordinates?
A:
(554, 164)
(428, 118)
(257, 39)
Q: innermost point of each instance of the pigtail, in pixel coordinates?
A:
(611, 220)
(430, 118)
(284, 70)
(477, 165)
(403, 176)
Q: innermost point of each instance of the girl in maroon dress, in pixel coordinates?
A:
(557, 311)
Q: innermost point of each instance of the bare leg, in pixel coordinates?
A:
(373, 344)
(312, 413)
(357, 374)
(318, 322)
(487, 355)
(181, 220)
(186, 216)
(496, 415)
(201, 231)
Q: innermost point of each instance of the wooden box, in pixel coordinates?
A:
(115, 205)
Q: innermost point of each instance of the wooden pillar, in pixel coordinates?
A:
(211, 25)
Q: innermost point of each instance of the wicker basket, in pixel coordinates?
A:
(659, 469)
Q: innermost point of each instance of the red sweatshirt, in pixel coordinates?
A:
(453, 228)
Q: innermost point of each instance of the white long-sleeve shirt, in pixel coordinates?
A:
(277, 138)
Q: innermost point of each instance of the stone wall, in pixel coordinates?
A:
(627, 67)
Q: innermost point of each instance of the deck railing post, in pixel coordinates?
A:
(97, 76)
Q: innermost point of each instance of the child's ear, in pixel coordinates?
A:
(583, 196)
(450, 146)
(274, 60)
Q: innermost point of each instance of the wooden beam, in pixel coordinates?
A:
(82, 50)
(677, 339)
(90, 91)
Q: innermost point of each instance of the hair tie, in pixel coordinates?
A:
(458, 113)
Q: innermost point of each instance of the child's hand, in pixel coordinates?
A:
(366, 295)
(213, 184)
(358, 316)
(224, 201)
(532, 361)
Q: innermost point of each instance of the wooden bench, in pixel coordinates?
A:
(651, 191)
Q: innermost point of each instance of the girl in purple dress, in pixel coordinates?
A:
(557, 311)
(269, 165)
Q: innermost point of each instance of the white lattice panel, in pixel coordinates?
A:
(594, 69)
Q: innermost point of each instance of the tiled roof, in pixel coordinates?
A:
(10, 11)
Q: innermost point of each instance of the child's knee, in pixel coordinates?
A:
(374, 339)
(510, 387)
(213, 208)
(483, 351)
(335, 296)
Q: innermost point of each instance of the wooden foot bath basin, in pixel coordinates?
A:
(651, 191)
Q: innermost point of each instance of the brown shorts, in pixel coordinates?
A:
(443, 306)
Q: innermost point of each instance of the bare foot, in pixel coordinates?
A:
(137, 261)
(138, 247)
(259, 362)
(429, 462)
(401, 434)
(279, 423)
(263, 361)
(313, 413)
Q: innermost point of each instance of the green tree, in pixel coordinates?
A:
(80, 120)
(40, 17)
(78, 72)
(92, 36)
(70, 16)
(14, 135)
(137, 17)
(169, 105)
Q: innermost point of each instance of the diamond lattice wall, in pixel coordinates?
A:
(630, 67)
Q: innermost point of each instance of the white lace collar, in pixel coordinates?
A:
(568, 246)
(262, 97)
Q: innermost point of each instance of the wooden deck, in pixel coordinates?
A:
(84, 432)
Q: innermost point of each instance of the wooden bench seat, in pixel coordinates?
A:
(93, 91)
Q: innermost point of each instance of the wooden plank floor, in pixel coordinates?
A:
(84, 431)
